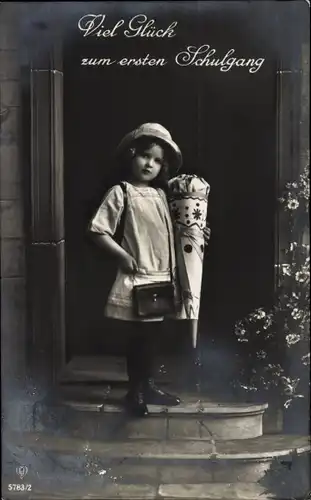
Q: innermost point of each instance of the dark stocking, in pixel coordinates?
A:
(141, 352)
(140, 364)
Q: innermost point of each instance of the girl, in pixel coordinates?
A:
(145, 253)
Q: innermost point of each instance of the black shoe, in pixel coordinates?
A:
(154, 395)
(135, 403)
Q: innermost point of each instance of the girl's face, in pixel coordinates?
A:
(147, 164)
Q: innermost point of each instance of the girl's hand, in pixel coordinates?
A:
(207, 234)
(128, 264)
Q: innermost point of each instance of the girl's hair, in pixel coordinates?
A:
(122, 168)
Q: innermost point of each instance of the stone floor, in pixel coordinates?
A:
(62, 466)
(257, 448)
(67, 468)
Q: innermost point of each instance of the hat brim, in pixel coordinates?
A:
(133, 136)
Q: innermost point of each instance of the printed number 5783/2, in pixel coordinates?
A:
(19, 487)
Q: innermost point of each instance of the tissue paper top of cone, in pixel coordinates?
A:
(185, 183)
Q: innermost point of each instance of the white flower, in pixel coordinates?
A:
(296, 314)
(306, 359)
(259, 314)
(292, 339)
(268, 323)
(275, 369)
(292, 204)
(291, 185)
(289, 390)
(286, 269)
(301, 276)
(261, 354)
(287, 403)
(290, 385)
(240, 333)
(293, 245)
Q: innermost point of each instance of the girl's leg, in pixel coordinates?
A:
(141, 352)
(137, 356)
(153, 394)
(136, 369)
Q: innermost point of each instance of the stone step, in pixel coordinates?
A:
(104, 368)
(220, 491)
(142, 460)
(87, 490)
(194, 418)
(95, 368)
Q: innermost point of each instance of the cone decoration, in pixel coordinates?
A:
(188, 201)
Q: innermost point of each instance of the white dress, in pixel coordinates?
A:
(148, 232)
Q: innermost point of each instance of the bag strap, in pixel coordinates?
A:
(121, 225)
(123, 187)
(170, 253)
(169, 239)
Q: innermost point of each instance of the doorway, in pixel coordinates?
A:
(225, 125)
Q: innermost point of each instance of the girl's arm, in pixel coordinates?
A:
(104, 225)
(125, 260)
(108, 244)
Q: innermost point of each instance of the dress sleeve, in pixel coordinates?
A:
(107, 217)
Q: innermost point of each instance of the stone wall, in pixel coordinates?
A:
(30, 294)
(32, 239)
(17, 391)
(13, 296)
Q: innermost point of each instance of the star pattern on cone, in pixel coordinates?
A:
(197, 214)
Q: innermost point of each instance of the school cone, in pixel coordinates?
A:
(188, 204)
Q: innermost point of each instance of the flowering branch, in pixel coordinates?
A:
(266, 335)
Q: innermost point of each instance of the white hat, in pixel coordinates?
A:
(152, 130)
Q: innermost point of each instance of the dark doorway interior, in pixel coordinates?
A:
(225, 124)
